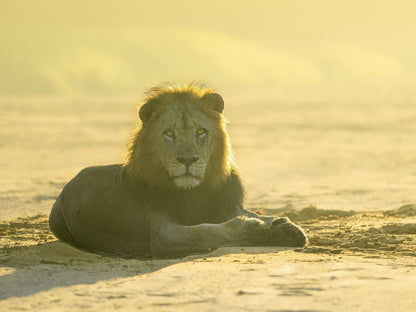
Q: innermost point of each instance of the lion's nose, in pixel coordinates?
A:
(187, 161)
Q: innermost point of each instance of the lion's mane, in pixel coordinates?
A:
(143, 162)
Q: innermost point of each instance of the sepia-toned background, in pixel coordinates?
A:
(321, 101)
(113, 47)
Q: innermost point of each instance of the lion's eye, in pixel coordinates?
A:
(168, 133)
(201, 131)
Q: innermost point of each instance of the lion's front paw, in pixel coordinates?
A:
(285, 233)
(248, 225)
(249, 231)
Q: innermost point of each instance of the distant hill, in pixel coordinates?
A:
(96, 47)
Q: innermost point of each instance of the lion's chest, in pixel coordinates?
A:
(189, 208)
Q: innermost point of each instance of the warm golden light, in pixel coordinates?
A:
(118, 47)
(319, 101)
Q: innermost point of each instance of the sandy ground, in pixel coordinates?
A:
(342, 167)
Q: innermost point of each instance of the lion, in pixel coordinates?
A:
(179, 191)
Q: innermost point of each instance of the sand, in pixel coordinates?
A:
(343, 167)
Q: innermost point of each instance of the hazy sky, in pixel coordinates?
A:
(91, 46)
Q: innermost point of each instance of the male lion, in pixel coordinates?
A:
(178, 193)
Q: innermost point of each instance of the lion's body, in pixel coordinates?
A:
(178, 192)
(100, 214)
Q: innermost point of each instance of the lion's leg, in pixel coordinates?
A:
(173, 239)
(169, 238)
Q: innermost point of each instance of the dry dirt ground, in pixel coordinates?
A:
(349, 160)
(353, 260)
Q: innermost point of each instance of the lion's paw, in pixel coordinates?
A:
(285, 233)
(249, 231)
(247, 224)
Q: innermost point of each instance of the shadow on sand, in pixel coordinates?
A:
(54, 264)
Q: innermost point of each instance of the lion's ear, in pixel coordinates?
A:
(214, 101)
(147, 110)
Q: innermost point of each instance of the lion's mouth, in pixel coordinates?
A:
(186, 181)
(189, 175)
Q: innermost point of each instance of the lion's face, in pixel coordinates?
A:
(183, 142)
(184, 135)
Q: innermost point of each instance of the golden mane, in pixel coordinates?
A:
(196, 88)
(139, 162)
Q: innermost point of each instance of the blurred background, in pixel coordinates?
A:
(113, 47)
(321, 94)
